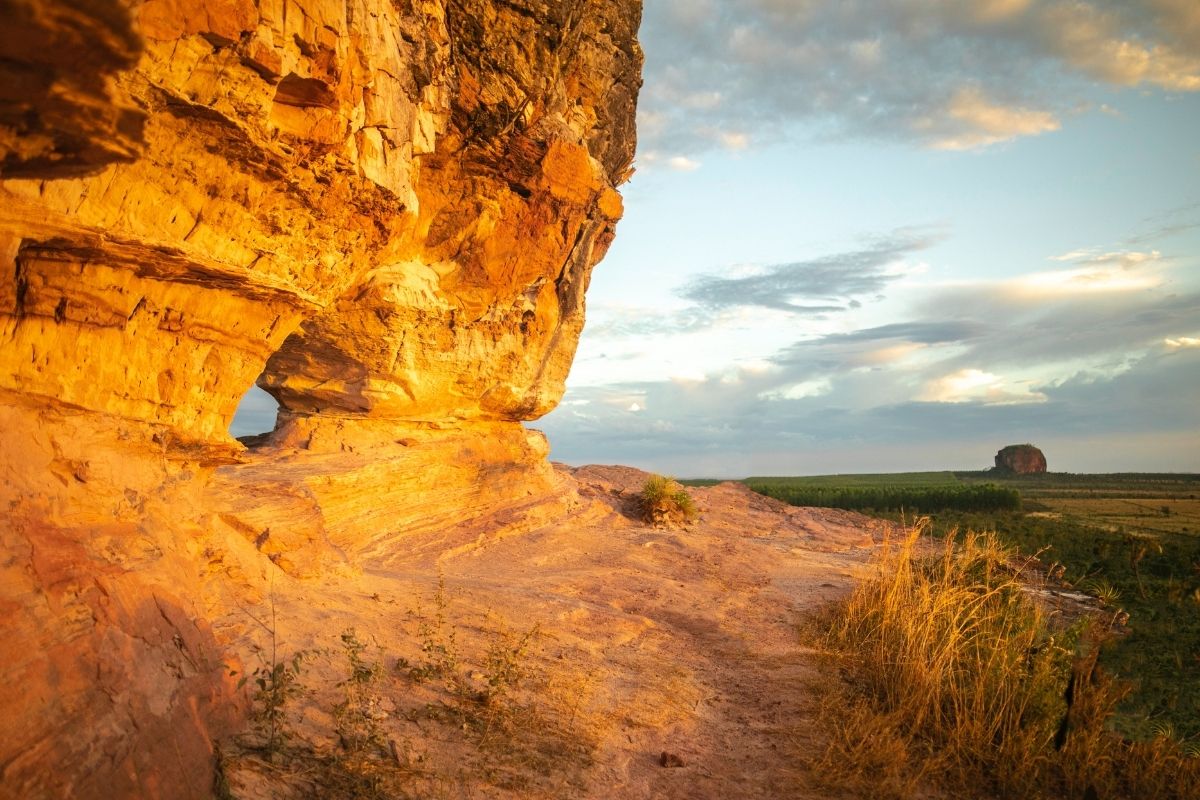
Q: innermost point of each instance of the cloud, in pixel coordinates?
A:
(950, 74)
(683, 164)
(1170, 223)
(976, 385)
(919, 332)
(972, 367)
(969, 121)
(900, 349)
(1027, 328)
(1110, 46)
(726, 429)
(990, 350)
(609, 322)
(677, 162)
(985, 342)
(819, 285)
(733, 140)
(1179, 19)
(798, 391)
(1122, 271)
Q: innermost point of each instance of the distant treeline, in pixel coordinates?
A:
(923, 500)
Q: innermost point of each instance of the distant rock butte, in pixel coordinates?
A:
(1020, 459)
(385, 212)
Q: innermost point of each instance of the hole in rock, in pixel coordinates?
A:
(255, 417)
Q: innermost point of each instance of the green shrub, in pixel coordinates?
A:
(665, 503)
(684, 502)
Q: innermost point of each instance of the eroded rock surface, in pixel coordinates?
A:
(384, 211)
(646, 640)
(373, 195)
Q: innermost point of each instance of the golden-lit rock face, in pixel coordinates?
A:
(398, 203)
(385, 212)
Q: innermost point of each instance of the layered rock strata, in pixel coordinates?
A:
(385, 212)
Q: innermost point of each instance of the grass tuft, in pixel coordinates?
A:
(664, 502)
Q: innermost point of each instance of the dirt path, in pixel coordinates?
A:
(682, 643)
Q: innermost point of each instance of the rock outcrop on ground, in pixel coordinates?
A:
(1020, 459)
(385, 212)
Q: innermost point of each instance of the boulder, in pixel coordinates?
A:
(1020, 459)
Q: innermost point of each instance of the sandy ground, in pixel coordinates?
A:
(665, 663)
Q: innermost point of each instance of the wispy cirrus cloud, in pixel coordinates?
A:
(818, 285)
(917, 332)
(814, 287)
(1168, 224)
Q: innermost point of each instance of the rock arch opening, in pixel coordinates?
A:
(255, 416)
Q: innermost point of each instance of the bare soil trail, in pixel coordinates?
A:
(671, 658)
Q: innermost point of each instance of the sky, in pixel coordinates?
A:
(891, 236)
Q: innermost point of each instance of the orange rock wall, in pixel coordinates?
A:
(442, 172)
(385, 212)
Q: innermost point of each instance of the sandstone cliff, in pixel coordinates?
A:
(385, 212)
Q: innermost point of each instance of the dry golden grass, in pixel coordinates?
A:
(955, 679)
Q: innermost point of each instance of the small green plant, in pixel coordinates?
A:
(664, 502)
(276, 684)
(364, 766)
(439, 645)
(1102, 590)
(684, 502)
(358, 715)
(481, 698)
(505, 666)
(656, 489)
